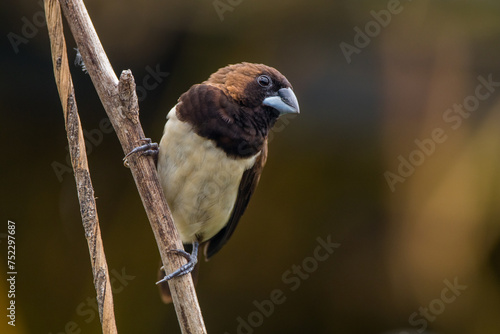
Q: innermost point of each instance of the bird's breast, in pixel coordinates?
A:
(199, 180)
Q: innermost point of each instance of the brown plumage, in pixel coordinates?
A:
(214, 148)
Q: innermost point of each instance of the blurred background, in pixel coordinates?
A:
(395, 158)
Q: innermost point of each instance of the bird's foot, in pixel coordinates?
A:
(188, 267)
(148, 148)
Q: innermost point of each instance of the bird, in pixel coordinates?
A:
(212, 152)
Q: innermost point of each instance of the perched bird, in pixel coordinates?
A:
(213, 149)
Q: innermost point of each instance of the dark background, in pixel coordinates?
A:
(399, 250)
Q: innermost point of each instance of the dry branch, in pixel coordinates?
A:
(120, 102)
(79, 161)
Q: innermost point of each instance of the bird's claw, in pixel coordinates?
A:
(148, 148)
(188, 267)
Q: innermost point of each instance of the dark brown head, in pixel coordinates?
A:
(255, 85)
(237, 106)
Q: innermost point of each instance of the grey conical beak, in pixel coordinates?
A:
(285, 102)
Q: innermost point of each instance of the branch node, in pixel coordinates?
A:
(128, 97)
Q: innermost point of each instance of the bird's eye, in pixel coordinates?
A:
(264, 81)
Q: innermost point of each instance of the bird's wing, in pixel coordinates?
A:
(248, 183)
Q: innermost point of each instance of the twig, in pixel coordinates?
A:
(79, 161)
(120, 102)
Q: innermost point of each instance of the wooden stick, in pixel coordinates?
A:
(120, 102)
(80, 166)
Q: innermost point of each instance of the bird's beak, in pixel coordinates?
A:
(285, 102)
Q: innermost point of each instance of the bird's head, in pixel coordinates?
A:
(257, 85)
